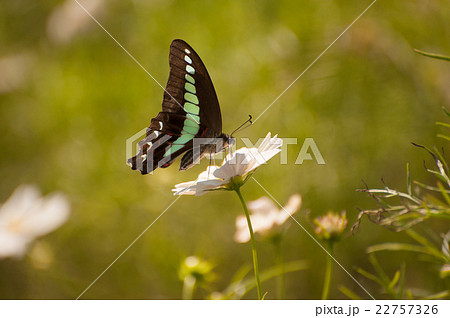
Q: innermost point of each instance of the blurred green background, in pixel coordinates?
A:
(70, 97)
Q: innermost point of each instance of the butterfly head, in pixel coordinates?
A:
(228, 141)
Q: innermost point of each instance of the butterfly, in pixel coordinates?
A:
(190, 110)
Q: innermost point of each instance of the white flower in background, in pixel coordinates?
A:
(15, 71)
(234, 170)
(68, 19)
(330, 226)
(266, 218)
(26, 216)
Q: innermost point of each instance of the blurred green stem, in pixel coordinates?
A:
(252, 239)
(188, 287)
(433, 55)
(280, 264)
(328, 270)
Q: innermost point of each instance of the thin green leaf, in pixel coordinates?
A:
(443, 136)
(433, 55)
(440, 123)
(374, 261)
(241, 273)
(394, 280)
(401, 284)
(446, 111)
(444, 193)
(399, 247)
(428, 150)
(439, 295)
(431, 248)
(441, 158)
(408, 179)
(428, 187)
(347, 292)
(390, 193)
(409, 295)
(248, 284)
(369, 276)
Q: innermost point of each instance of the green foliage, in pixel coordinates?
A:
(240, 285)
(68, 102)
(429, 202)
(412, 208)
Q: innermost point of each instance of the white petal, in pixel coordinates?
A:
(263, 223)
(242, 234)
(20, 203)
(206, 186)
(291, 207)
(238, 165)
(226, 171)
(205, 182)
(12, 245)
(208, 174)
(262, 158)
(265, 142)
(48, 214)
(270, 143)
(244, 163)
(262, 206)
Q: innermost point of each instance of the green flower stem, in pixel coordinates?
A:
(280, 263)
(328, 270)
(252, 239)
(188, 287)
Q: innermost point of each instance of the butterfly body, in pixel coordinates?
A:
(190, 121)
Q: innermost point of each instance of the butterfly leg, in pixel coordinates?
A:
(209, 168)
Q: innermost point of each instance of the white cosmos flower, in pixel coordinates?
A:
(26, 216)
(266, 218)
(234, 170)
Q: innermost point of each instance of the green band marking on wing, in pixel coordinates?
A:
(172, 149)
(190, 130)
(190, 88)
(191, 108)
(190, 123)
(189, 78)
(195, 118)
(191, 98)
(183, 139)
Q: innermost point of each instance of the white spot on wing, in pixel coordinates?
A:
(157, 133)
(187, 59)
(161, 125)
(190, 69)
(187, 51)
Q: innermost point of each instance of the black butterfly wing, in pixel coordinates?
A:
(187, 70)
(190, 109)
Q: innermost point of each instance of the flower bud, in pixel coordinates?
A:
(330, 226)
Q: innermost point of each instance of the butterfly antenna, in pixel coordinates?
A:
(243, 126)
